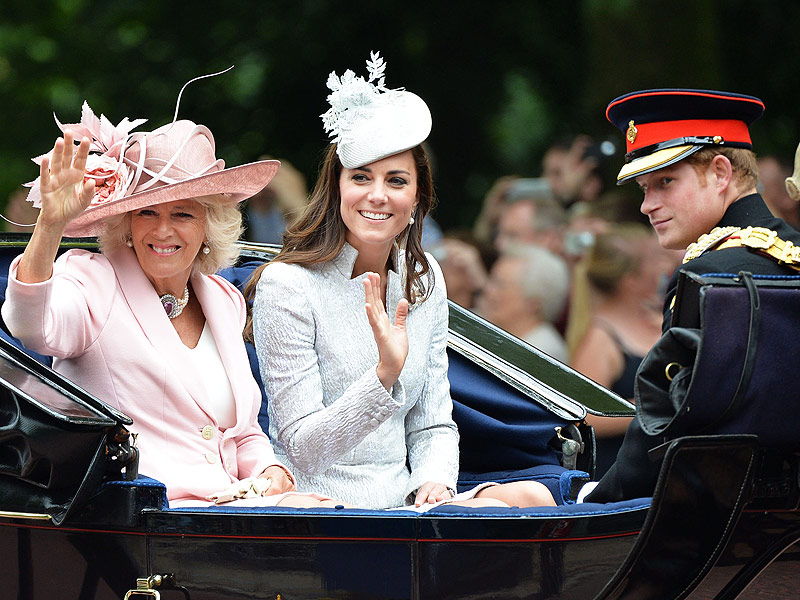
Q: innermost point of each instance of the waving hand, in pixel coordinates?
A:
(392, 339)
(65, 195)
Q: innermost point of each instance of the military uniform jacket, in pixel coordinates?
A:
(634, 474)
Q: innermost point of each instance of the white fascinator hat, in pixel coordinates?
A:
(367, 121)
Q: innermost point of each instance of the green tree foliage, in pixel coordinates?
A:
(503, 79)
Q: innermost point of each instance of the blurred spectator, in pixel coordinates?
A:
(485, 228)
(20, 211)
(617, 205)
(431, 232)
(587, 220)
(531, 216)
(772, 174)
(273, 208)
(575, 168)
(463, 269)
(618, 284)
(525, 294)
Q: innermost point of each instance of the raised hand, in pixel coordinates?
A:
(64, 196)
(64, 193)
(392, 339)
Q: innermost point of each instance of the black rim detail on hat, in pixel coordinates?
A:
(673, 104)
(706, 140)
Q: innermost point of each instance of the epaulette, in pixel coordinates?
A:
(707, 242)
(760, 239)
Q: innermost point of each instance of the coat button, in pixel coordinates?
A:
(208, 432)
(211, 457)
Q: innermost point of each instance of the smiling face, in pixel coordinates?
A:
(377, 201)
(681, 203)
(166, 238)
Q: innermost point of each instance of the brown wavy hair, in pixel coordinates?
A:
(319, 234)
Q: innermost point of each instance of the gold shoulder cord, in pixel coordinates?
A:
(707, 241)
(760, 239)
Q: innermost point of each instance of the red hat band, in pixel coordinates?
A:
(722, 131)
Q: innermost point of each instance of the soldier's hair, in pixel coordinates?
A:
(745, 167)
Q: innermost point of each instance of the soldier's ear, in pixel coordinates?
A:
(722, 171)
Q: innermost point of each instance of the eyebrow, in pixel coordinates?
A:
(393, 172)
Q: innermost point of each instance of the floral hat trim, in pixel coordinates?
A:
(352, 97)
(105, 163)
(368, 121)
(115, 175)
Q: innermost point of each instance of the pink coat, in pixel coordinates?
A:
(102, 320)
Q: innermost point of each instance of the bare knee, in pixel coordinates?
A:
(520, 493)
(481, 503)
(298, 501)
(301, 501)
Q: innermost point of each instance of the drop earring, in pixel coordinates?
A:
(206, 249)
(411, 221)
(129, 242)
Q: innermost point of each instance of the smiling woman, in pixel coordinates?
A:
(145, 325)
(359, 404)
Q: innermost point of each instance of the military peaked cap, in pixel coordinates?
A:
(665, 126)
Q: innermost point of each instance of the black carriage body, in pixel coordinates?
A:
(725, 510)
(238, 553)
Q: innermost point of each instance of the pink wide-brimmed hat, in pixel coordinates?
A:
(135, 170)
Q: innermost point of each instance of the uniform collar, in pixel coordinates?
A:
(746, 211)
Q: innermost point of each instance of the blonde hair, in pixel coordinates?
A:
(223, 228)
(614, 254)
(544, 276)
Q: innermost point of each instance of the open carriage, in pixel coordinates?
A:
(78, 521)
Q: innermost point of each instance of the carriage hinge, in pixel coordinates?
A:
(146, 587)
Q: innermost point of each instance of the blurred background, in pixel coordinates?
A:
(504, 80)
(531, 233)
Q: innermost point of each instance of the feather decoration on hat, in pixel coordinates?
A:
(350, 94)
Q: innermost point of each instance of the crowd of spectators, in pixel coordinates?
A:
(566, 262)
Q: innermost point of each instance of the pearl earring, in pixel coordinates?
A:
(206, 249)
(411, 221)
(129, 243)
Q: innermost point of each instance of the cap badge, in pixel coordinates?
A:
(632, 132)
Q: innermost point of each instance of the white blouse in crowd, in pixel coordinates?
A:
(331, 420)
